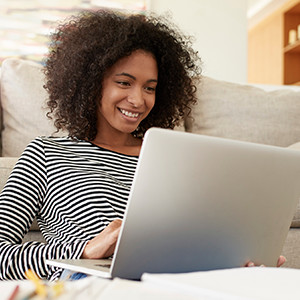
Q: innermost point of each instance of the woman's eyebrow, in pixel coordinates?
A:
(133, 77)
(152, 80)
(126, 74)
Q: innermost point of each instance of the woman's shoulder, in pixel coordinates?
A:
(54, 142)
(63, 140)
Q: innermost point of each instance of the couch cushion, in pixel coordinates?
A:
(291, 249)
(6, 166)
(23, 104)
(246, 113)
(296, 219)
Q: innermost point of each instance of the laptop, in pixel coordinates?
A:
(201, 203)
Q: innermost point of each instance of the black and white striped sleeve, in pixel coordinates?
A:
(20, 202)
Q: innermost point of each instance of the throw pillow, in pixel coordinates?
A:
(245, 112)
(23, 105)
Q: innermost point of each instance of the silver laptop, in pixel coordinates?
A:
(202, 203)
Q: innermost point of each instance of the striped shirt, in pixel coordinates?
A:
(74, 188)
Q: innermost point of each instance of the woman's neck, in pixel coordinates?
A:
(124, 143)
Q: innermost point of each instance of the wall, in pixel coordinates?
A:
(262, 9)
(220, 29)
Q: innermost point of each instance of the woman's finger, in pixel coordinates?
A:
(281, 260)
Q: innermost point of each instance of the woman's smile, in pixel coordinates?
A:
(129, 114)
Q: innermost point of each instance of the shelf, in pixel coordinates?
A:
(271, 59)
(293, 48)
(291, 52)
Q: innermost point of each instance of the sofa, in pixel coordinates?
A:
(254, 113)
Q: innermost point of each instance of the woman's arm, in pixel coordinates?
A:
(20, 201)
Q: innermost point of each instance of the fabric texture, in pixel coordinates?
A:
(296, 219)
(246, 113)
(6, 166)
(23, 102)
(291, 249)
(74, 188)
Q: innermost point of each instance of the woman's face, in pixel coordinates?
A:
(128, 92)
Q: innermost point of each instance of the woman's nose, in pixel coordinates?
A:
(136, 98)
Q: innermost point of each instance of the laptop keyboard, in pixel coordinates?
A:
(103, 265)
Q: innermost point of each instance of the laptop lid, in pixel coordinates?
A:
(203, 203)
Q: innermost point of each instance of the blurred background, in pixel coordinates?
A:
(243, 41)
(26, 24)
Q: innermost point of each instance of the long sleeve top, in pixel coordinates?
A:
(73, 188)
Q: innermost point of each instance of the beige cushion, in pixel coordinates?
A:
(295, 146)
(6, 166)
(296, 219)
(23, 104)
(246, 113)
(291, 249)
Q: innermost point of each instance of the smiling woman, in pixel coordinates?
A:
(110, 77)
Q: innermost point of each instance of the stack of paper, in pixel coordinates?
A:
(257, 283)
(241, 283)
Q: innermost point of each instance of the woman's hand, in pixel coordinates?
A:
(103, 245)
(281, 260)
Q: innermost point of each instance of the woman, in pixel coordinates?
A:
(110, 77)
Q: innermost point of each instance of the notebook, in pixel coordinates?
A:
(202, 203)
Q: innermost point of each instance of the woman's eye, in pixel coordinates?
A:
(150, 89)
(124, 83)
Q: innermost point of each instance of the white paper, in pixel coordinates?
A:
(134, 290)
(259, 283)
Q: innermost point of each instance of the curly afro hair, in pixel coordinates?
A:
(87, 45)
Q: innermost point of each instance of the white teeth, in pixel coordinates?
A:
(129, 114)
